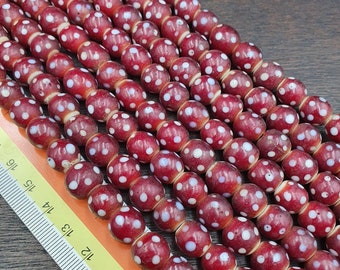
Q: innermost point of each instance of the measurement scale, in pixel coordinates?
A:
(37, 195)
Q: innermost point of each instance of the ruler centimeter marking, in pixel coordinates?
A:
(53, 223)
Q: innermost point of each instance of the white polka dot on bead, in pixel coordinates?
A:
(73, 185)
(260, 259)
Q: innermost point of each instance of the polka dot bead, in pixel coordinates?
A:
(51, 18)
(163, 51)
(185, 70)
(109, 74)
(328, 157)
(156, 11)
(130, 94)
(332, 128)
(218, 257)
(224, 38)
(71, 37)
(187, 9)
(154, 78)
(125, 16)
(177, 263)
(226, 107)
(92, 55)
(246, 56)
(96, 24)
(24, 110)
(322, 258)
(332, 241)
(172, 135)
(194, 45)
(306, 137)
(144, 33)
(268, 75)
(203, 21)
(237, 82)
(23, 29)
(107, 7)
(58, 63)
(43, 87)
(77, 11)
(10, 53)
(291, 91)
(205, 89)
(62, 107)
(215, 63)
(121, 126)
(174, 28)
(315, 110)
(10, 91)
(150, 115)
(249, 125)
(283, 118)
(260, 100)
(325, 188)
(43, 45)
(9, 11)
(116, 41)
(135, 58)
(25, 69)
(216, 133)
(173, 95)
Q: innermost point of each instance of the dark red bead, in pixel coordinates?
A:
(9, 13)
(173, 95)
(325, 188)
(43, 45)
(125, 17)
(10, 53)
(92, 55)
(328, 157)
(156, 11)
(237, 83)
(322, 258)
(130, 94)
(163, 51)
(116, 41)
(216, 133)
(71, 37)
(77, 10)
(218, 257)
(107, 6)
(154, 77)
(51, 18)
(306, 137)
(172, 135)
(96, 24)
(283, 118)
(23, 110)
(186, 9)
(184, 70)
(193, 115)
(194, 45)
(33, 8)
(246, 56)
(205, 89)
(23, 29)
(332, 128)
(204, 21)
(44, 86)
(215, 64)
(291, 91)
(315, 110)
(226, 107)
(58, 64)
(260, 100)
(121, 126)
(174, 28)
(110, 74)
(249, 125)
(224, 38)
(150, 115)
(144, 33)
(268, 75)
(63, 106)
(135, 58)
(332, 241)
(10, 91)
(26, 69)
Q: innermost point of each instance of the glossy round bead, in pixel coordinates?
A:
(62, 154)
(43, 45)
(266, 174)
(10, 53)
(177, 263)
(121, 125)
(216, 133)
(163, 51)
(168, 215)
(268, 256)
(103, 200)
(305, 137)
(42, 131)
(10, 91)
(101, 104)
(186, 9)
(146, 192)
(43, 87)
(226, 107)
(144, 33)
(79, 82)
(274, 145)
(328, 157)
(130, 94)
(268, 75)
(142, 146)
(224, 38)
(193, 239)
(193, 45)
(237, 83)
(332, 241)
(116, 41)
(241, 236)
(126, 224)
(291, 91)
(166, 166)
(26, 68)
(174, 28)
(322, 259)
(172, 136)
(150, 115)
(274, 222)
(8, 12)
(77, 10)
(24, 110)
(184, 70)
(325, 188)
(246, 56)
(205, 89)
(51, 18)
(190, 189)
(96, 24)
(317, 218)
(101, 148)
(150, 251)
(32, 9)
(92, 55)
(249, 200)
(58, 64)
(62, 107)
(80, 128)
(332, 128)
(315, 110)
(299, 243)
(173, 95)
(193, 115)
(260, 100)
(203, 21)
(126, 17)
(81, 178)
(156, 11)
(122, 171)
(218, 257)
(215, 64)
(107, 7)
(282, 118)
(135, 58)
(249, 125)
(154, 78)
(110, 74)
(292, 196)
(23, 29)
(214, 212)
(242, 153)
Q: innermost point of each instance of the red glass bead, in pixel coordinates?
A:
(205, 89)
(154, 77)
(223, 178)
(241, 236)
(166, 166)
(60, 4)
(190, 189)
(9, 13)
(332, 241)
(23, 110)
(26, 69)
(77, 11)
(214, 212)
(226, 107)
(218, 257)
(325, 188)
(332, 128)
(79, 82)
(317, 218)
(186, 9)
(23, 29)
(96, 24)
(121, 126)
(173, 95)
(150, 251)
(203, 21)
(291, 91)
(43, 45)
(142, 146)
(110, 74)
(125, 17)
(216, 133)
(62, 107)
(168, 215)
(116, 41)
(51, 18)
(150, 115)
(315, 110)
(224, 38)
(292, 196)
(135, 58)
(155, 11)
(33, 8)
(175, 29)
(146, 192)
(242, 153)
(42, 131)
(237, 83)
(130, 94)
(58, 64)
(268, 256)
(324, 259)
(194, 45)
(306, 137)
(177, 263)
(215, 64)
(274, 145)
(184, 70)
(299, 166)
(249, 200)
(62, 154)
(268, 75)
(193, 239)
(328, 157)
(107, 6)
(172, 135)
(80, 128)
(81, 178)
(249, 125)
(260, 100)
(246, 56)
(10, 53)
(299, 243)
(283, 118)
(92, 55)
(144, 33)
(10, 91)
(163, 51)
(122, 171)
(103, 200)
(126, 224)
(44, 86)
(193, 115)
